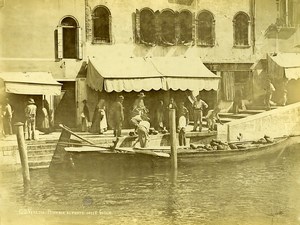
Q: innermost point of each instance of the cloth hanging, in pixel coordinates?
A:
(228, 85)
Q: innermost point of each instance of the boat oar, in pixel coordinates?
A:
(76, 135)
(144, 152)
(86, 140)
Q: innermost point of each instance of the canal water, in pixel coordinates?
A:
(262, 191)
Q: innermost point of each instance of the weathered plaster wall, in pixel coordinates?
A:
(122, 31)
(27, 35)
(274, 123)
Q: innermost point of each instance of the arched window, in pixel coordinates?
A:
(101, 25)
(167, 23)
(241, 29)
(147, 26)
(69, 39)
(185, 26)
(206, 29)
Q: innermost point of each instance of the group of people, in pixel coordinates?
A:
(140, 119)
(270, 89)
(30, 112)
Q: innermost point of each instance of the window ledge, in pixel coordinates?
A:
(205, 46)
(241, 46)
(99, 42)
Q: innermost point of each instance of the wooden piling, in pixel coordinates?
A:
(23, 152)
(173, 141)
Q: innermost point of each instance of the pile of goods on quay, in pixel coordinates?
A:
(217, 145)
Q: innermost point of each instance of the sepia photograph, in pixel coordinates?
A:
(149, 112)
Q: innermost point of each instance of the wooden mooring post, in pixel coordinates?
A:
(173, 141)
(23, 152)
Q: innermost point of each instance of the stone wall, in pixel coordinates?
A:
(274, 123)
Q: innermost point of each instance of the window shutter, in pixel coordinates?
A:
(194, 28)
(110, 29)
(249, 33)
(134, 27)
(234, 36)
(213, 32)
(177, 28)
(157, 27)
(79, 43)
(59, 42)
(137, 26)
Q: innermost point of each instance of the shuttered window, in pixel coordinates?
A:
(241, 27)
(185, 23)
(101, 25)
(167, 24)
(206, 29)
(68, 39)
(147, 26)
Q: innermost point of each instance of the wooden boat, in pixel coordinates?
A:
(74, 154)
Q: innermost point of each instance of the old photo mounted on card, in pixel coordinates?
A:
(149, 112)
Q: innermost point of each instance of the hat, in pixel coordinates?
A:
(31, 101)
(84, 101)
(141, 95)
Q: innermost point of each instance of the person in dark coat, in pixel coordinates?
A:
(117, 116)
(237, 102)
(85, 117)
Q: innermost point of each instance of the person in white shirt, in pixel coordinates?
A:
(30, 114)
(198, 106)
(7, 117)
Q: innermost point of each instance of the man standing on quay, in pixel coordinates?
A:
(198, 107)
(30, 114)
(118, 116)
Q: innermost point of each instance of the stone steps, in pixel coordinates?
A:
(34, 158)
(39, 164)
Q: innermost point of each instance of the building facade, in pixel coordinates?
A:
(60, 36)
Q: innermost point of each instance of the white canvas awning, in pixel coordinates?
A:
(285, 64)
(137, 74)
(292, 73)
(29, 83)
(186, 73)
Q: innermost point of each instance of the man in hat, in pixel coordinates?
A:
(30, 114)
(139, 110)
(198, 108)
(117, 116)
(139, 107)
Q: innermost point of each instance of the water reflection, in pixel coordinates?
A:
(261, 191)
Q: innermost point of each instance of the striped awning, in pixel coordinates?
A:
(158, 73)
(30, 83)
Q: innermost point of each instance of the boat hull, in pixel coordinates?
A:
(114, 160)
